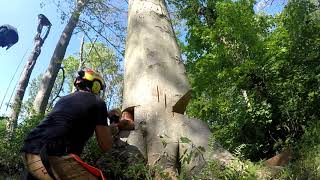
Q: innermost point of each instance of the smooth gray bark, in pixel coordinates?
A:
(49, 77)
(155, 84)
(153, 65)
(25, 76)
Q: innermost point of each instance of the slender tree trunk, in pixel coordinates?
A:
(25, 76)
(47, 82)
(155, 84)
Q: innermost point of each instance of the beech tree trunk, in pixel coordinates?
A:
(48, 79)
(25, 76)
(156, 87)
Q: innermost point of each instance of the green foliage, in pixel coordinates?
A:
(116, 168)
(232, 170)
(306, 160)
(99, 57)
(102, 59)
(190, 153)
(27, 110)
(255, 77)
(139, 171)
(71, 65)
(91, 152)
(10, 156)
(27, 105)
(255, 80)
(249, 171)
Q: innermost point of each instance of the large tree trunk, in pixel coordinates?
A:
(155, 84)
(47, 82)
(25, 76)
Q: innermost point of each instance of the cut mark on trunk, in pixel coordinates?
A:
(158, 93)
(178, 59)
(165, 101)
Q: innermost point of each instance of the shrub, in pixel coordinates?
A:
(10, 161)
(306, 161)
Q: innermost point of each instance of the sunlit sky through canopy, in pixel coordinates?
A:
(23, 15)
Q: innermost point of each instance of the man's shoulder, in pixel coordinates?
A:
(87, 95)
(100, 100)
(80, 94)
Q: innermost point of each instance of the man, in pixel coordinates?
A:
(51, 150)
(8, 36)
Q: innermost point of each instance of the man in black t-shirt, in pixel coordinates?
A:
(52, 149)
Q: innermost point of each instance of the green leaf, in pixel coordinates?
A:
(185, 140)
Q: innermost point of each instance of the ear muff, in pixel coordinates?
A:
(96, 87)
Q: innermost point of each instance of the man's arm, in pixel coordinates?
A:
(104, 137)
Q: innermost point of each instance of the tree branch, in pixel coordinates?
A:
(94, 29)
(99, 33)
(108, 27)
(81, 53)
(92, 45)
(95, 49)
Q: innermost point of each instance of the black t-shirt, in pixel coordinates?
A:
(69, 125)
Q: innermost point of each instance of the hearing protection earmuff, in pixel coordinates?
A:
(90, 79)
(96, 87)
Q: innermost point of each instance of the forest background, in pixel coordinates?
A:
(253, 67)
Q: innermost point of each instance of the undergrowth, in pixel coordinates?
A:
(305, 163)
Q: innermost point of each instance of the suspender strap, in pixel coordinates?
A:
(93, 170)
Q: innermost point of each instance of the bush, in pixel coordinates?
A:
(306, 162)
(10, 161)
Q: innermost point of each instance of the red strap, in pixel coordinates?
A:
(93, 170)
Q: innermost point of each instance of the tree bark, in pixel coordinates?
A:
(47, 82)
(25, 76)
(156, 86)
